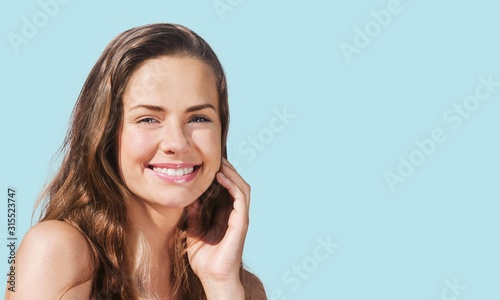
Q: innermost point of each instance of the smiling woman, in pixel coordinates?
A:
(145, 204)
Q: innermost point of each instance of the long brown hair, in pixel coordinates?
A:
(87, 190)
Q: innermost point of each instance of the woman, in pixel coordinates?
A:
(145, 204)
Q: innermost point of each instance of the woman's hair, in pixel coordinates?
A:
(87, 190)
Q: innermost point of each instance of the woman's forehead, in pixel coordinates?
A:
(172, 79)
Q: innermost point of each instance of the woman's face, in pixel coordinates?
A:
(170, 139)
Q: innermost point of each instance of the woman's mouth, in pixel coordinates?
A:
(177, 174)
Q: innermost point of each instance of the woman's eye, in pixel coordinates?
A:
(147, 121)
(200, 119)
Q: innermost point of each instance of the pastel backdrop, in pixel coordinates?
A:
(368, 131)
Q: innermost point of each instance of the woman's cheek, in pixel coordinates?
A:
(207, 141)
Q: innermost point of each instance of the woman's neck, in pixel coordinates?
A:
(153, 229)
(155, 222)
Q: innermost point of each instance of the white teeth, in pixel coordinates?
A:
(174, 172)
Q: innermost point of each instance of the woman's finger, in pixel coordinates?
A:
(241, 200)
(238, 219)
(235, 177)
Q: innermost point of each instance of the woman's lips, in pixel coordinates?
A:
(175, 173)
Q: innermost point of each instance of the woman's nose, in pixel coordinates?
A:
(174, 139)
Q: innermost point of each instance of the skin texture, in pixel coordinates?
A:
(159, 126)
(52, 258)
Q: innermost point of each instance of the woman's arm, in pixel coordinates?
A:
(52, 260)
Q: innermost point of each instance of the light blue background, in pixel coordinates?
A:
(322, 175)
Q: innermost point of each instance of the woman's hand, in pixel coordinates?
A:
(216, 257)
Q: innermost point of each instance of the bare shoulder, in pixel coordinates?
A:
(48, 234)
(53, 260)
(57, 243)
(254, 288)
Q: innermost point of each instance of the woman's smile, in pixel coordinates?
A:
(175, 173)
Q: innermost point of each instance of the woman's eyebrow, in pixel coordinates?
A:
(148, 107)
(161, 109)
(200, 107)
